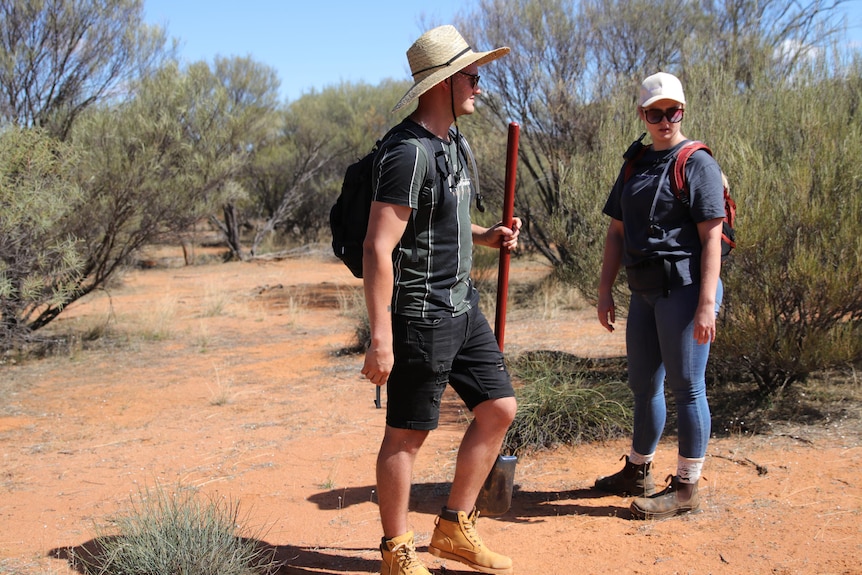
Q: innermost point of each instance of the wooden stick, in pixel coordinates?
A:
(508, 216)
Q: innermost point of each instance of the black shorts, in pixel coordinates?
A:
(429, 353)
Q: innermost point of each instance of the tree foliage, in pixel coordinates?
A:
(245, 94)
(151, 165)
(296, 175)
(569, 60)
(57, 57)
(39, 262)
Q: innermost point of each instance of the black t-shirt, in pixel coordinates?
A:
(433, 260)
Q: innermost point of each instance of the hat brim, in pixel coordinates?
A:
(437, 76)
(655, 99)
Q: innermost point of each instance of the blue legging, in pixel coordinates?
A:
(660, 347)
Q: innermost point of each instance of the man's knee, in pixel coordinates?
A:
(497, 412)
(403, 440)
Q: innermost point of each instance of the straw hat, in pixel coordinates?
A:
(438, 54)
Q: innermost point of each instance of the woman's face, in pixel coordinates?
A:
(663, 120)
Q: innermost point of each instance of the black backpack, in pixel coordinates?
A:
(680, 187)
(348, 218)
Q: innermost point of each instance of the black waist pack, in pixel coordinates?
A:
(650, 276)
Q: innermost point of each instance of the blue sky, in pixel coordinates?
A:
(313, 44)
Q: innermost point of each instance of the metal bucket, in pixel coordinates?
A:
(495, 497)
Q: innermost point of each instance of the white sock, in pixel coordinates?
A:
(638, 459)
(688, 469)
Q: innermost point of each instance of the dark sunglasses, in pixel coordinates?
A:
(672, 115)
(474, 78)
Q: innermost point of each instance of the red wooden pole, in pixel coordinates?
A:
(508, 216)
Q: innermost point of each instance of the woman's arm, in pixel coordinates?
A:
(710, 268)
(611, 262)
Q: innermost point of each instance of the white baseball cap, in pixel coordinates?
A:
(661, 86)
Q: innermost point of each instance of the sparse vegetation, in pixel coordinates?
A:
(178, 531)
(566, 400)
(91, 173)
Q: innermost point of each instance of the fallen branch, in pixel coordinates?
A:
(761, 469)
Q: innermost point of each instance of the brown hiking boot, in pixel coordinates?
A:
(666, 503)
(459, 541)
(631, 480)
(399, 557)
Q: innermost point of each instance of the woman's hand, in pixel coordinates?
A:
(607, 311)
(704, 323)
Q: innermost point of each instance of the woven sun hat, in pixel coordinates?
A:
(438, 54)
(661, 86)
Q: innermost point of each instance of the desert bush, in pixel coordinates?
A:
(793, 302)
(39, 263)
(566, 400)
(178, 532)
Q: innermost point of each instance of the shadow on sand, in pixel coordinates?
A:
(427, 498)
(286, 559)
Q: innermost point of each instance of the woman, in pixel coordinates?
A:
(672, 255)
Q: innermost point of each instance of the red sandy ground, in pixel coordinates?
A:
(225, 377)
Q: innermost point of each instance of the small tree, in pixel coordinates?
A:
(57, 58)
(155, 164)
(39, 264)
(294, 177)
(794, 304)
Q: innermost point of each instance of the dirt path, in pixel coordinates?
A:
(226, 378)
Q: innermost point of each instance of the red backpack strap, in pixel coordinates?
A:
(629, 165)
(677, 178)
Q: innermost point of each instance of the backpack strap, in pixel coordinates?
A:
(677, 179)
(430, 154)
(634, 152)
(464, 146)
(431, 171)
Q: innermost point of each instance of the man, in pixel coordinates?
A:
(426, 327)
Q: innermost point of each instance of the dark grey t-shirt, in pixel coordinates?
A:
(432, 262)
(672, 231)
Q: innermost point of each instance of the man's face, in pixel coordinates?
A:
(465, 87)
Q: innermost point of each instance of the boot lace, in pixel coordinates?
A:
(405, 555)
(470, 529)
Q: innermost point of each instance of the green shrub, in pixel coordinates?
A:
(39, 264)
(565, 400)
(793, 304)
(178, 533)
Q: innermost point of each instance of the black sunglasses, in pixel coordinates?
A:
(672, 115)
(474, 78)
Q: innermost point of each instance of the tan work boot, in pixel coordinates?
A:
(666, 503)
(399, 557)
(632, 479)
(459, 541)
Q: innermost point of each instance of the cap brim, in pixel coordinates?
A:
(655, 99)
